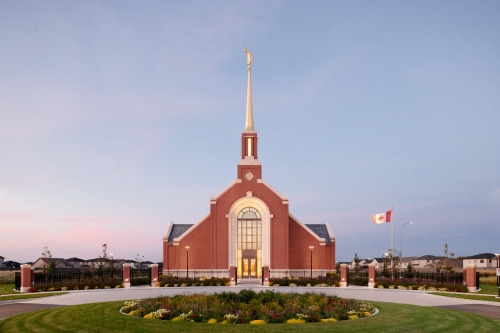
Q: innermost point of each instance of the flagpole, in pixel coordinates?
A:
(392, 244)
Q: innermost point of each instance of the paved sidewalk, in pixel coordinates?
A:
(490, 309)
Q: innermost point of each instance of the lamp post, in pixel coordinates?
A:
(401, 249)
(498, 277)
(385, 263)
(112, 264)
(311, 248)
(187, 247)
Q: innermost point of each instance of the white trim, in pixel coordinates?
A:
(234, 182)
(272, 189)
(330, 232)
(191, 229)
(305, 227)
(249, 161)
(169, 230)
(266, 228)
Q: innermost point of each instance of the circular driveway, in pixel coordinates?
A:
(413, 297)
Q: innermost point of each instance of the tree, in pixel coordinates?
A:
(385, 271)
(102, 260)
(48, 265)
(337, 267)
(357, 266)
(394, 257)
(447, 262)
(139, 260)
(409, 271)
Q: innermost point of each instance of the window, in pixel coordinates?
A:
(249, 243)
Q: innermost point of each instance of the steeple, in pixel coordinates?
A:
(249, 165)
(249, 118)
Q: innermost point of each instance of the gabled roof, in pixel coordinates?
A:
(321, 230)
(11, 263)
(428, 257)
(75, 259)
(482, 256)
(177, 231)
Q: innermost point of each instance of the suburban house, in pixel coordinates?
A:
(11, 264)
(483, 261)
(1, 261)
(77, 262)
(57, 262)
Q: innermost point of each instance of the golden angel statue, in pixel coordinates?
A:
(249, 56)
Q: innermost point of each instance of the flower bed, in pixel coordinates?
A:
(249, 307)
(82, 285)
(170, 281)
(331, 281)
(407, 284)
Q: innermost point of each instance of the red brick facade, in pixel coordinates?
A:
(280, 242)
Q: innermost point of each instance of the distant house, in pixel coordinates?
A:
(405, 261)
(1, 261)
(77, 262)
(58, 263)
(427, 262)
(11, 264)
(483, 261)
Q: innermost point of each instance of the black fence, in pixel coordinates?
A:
(17, 281)
(76, 276)
(139, 277)
(442, 277)
(181, 273)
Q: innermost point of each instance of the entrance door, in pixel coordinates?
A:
(249, 259)
(249, 235)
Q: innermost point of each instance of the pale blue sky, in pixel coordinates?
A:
(117, 117)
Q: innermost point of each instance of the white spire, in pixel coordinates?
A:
(249, 117)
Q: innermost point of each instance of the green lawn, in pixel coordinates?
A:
(490, 289)
(104, 317)
(469, 296)
(6, 289)
(31, 295)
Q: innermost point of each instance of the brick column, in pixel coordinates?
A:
(232, 276)
(343, 276)
(126, 275)
(266, 276)
(371, 276)
(154, 275)
(470, 277)
(25, 278)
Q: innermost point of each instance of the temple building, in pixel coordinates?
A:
(249, 230)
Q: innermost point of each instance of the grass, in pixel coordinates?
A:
(104, 317)
(25, 296)
(7, 289)
(469, 296)
(489, 289)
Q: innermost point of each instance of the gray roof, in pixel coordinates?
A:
(428, 257)
(482, 256)
(321, 230)
(177, 231)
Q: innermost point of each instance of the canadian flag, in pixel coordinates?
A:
(382, 218)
